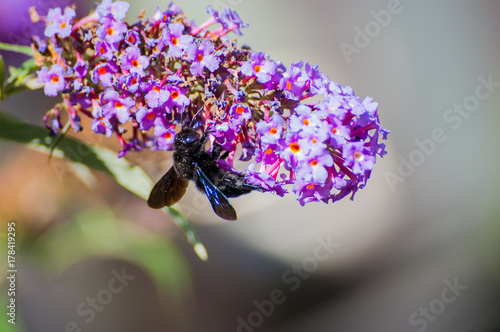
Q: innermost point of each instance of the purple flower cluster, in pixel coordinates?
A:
(142, 82)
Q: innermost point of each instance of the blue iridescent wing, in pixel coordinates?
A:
(218, 200)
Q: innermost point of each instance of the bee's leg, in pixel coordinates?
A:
(253, 187)
(216, 152)
(204, 137)
(233, 185)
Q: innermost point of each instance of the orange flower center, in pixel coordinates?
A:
(289, 85)
(200, 57)
(240, 109)
(257, 69)
(273, 131)
(55, 79)
(174, 94)
(110, 31)
(313, 162)
(150, 116)
(63, 25)
(295, 147)
(269, 151)
(156, 89)
(306, 122)
(131, 39)
(167, 135)
(358, 155)
(310, 186)
(102, 70)
(335, 131)
(135, 63)
(175, 41)
(118, 104)
(314, 141)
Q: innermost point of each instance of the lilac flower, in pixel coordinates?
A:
(133, 61)
(177, 98)
(269, 153)
(81, 68)
(82, 97)
(332, 105)
(61, 24)
(229, 19)
(105, 49)
(167, 15)
(314, 168)
(260, 67)
(271, 131)
(307, 192)
(265, 181)
(104, 73)
(294, 151)
(340, 134)
(308, 123)
(358, 157)
(225, 135)
(53, 79)
(294, 82)
(156, 95)
(166, 136)
(145, 117)
(133, 38)
(239, 114)
(114, 105)
(111, 31)
(319, 81)
(176, 40)
(131, 83)
(116, 10)
(101, 124)
(202, 56)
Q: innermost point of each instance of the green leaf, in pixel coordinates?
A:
(100, 233)
(23, 49)
(131, 177)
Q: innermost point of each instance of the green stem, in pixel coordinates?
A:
(16, 48)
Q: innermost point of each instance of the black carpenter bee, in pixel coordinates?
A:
(193, 162)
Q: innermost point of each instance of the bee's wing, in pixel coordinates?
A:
(219, 201)
(168, 190)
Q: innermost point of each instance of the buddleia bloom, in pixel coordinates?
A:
(141, 82)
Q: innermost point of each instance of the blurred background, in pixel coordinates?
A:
(417, 250)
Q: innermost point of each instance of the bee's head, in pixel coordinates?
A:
(186, 137)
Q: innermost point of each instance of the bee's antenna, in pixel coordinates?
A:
(182, 113)
(194, 117)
